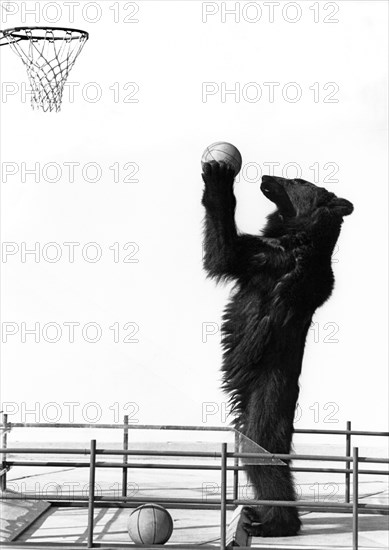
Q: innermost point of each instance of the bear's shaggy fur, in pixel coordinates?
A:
(281, 278)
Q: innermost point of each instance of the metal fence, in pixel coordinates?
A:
(229, 461)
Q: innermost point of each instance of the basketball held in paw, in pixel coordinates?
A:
(221, 151)
(150, 524)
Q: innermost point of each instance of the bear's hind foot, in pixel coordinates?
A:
(288, 526)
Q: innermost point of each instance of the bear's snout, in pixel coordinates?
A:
(276, 190)
(271, 185)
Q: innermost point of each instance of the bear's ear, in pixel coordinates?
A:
(342, 207)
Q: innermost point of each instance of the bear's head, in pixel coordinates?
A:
(297, 198)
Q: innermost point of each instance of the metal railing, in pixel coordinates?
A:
(352, 468)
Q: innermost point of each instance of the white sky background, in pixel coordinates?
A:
(169, 53)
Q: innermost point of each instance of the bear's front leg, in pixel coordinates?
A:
(220, 230)
(219, 181)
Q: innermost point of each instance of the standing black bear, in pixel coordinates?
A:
(281, 278)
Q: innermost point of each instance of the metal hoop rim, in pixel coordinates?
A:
(13, 32)
(4, 41)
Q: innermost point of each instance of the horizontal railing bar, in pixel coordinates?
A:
(101, 498)
(113, 504)
(49, 464)
(121, 426)
(173, 427)
(194, 454)
(49, 451)
(128, 465)
(236, 502)
(326, 458)
(339, 471)
(371, 460)
(120, 545)
(340, 432)
(137, 465)
(300, 503)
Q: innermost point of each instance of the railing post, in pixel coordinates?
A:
(355, 498)
(223, 498)
(348, 464)
(3, 484)
(91, 504)
(125, 457)
(236, 464)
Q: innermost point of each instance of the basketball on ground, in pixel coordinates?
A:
(150, 524)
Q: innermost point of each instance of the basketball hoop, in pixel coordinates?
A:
(49, 54)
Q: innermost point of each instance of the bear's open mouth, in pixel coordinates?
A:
(271, 188)
(265, 189)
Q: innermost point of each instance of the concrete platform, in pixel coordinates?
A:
(320, 530)
(333, 531)
(17, 515)
(67, 525)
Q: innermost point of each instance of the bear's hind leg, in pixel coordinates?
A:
(272, 483)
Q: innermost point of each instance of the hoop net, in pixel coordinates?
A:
(48, 55)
